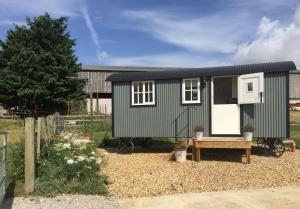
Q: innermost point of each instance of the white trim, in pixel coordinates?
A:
(198, 91)
(143, 92)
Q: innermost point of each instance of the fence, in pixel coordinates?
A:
(3, 166)
(37, 133)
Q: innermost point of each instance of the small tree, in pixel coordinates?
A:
(38, 68)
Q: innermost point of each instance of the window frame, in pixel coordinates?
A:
(183, 91)
(144, 103)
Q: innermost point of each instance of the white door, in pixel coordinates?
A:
(225, 118)
(250, 88)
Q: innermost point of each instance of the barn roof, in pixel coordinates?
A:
(95, 68)
(208, 71)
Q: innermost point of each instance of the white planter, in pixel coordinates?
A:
(248, 136)
(180, 156)
(199, 135)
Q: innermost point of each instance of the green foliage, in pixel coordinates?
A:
(248, 128)
(180, 145)
(295, 135)
(16, 162)
(70, 168)
(198, 129)
(38, 68)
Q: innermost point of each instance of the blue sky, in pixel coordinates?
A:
(174, 33)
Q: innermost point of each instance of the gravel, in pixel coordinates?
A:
(152, 174)
(62, 202)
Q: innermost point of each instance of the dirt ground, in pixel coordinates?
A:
(146, 174)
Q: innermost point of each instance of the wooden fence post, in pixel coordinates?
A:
(38, 137)
(29, 155)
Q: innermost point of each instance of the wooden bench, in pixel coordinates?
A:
(223, 143)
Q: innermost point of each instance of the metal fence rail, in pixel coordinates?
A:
(3, 148)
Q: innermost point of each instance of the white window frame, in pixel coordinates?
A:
(198, 89)
(144, 93)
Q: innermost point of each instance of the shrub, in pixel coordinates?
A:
(180, 145)
(70, 166)
(248, 128)
(16, 161)
(198, 129)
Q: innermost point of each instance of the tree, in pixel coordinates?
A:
(38, 68)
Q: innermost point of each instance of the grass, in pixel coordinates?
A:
(15, 130)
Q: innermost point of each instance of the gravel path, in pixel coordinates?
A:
(151, 174)
(63, 202)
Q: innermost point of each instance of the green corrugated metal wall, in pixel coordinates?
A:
(269, 119)
(158, 120)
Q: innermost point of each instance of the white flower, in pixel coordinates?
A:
(81, 158)
(70, 161)
(93, 153)
(82, 147)
(99, 160)
(92, 158)
(66, 146)
(77, 142)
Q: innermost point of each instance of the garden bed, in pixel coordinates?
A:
(152, 174)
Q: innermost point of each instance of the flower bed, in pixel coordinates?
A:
(70, 165)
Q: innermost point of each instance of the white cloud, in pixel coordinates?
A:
(56, 8)
(101, 55)
(166, 60)
(11, 22)
(18, 9)
(218, 32)
(273, 42)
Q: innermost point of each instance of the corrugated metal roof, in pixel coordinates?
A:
(209, 71)
(126, 68)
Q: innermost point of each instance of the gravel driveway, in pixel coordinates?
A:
(63, 202)
(151, 174)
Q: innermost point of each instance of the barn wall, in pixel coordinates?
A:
(294, 85)
(158, 120)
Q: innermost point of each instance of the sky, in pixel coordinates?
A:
(172, 33)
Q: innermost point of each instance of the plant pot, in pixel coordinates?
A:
(199, 135)
(180, 156)
(248, 136)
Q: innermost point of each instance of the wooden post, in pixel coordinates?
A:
(198, 154)
(91, 100)
(38, 137)
(29, 155)
(248, 154)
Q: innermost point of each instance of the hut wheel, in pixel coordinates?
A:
(126, 146)
(278, 147)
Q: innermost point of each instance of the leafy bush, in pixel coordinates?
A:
(70, 166)
(180, 145)
(248, 128)
(16, 161)
(198, 129)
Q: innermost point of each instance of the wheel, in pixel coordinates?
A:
(260, 142)
(278, 148)
(126, 146)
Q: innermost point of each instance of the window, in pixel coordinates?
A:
(249, 87)
(143, 93)
(191, 90)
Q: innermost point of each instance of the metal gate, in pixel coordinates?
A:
(3, 149)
